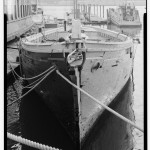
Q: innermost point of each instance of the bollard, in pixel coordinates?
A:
(40, 30)
(65, 25)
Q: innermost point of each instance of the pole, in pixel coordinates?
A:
(74, 8)
(100, 10)
(89, 7)
(97, 10)
(103, 11)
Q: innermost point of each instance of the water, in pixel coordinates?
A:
(13, 124)
(110, 133)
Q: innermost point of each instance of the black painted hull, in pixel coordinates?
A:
(57, 94)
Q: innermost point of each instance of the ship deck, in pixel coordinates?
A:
(58, 35)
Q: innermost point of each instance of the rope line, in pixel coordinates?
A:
(29, 142)
(33, 83)
(32, 87)
(97, 101)
(13, 73)
(13, 48)
(32, 77)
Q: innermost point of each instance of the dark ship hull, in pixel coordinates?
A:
(104, 69)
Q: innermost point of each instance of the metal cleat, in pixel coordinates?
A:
(75, 58)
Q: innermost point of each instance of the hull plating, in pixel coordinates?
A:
(101, 77)
(103, 73)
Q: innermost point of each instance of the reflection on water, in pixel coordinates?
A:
(13, 123)
(39, 124)
(110, 132)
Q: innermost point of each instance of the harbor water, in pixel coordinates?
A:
(33, 120)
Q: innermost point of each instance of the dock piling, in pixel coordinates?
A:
(97, 11)
(103, 11)
(84, 8)
(89, 11)
(100, 10)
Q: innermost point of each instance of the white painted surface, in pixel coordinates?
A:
(102, 83)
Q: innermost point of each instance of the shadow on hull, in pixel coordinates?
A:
(39, 124)
(110, 132)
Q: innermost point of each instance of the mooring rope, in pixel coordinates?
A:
(13, 73)
(29, 142)
(97, 101)
(33, 83)
(12, 48)
(33, 87)
(32, 77)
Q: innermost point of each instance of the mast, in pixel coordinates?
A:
(74, 8)
(37, 5)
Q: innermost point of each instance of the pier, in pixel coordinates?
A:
(98, 9)
(95, 18)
